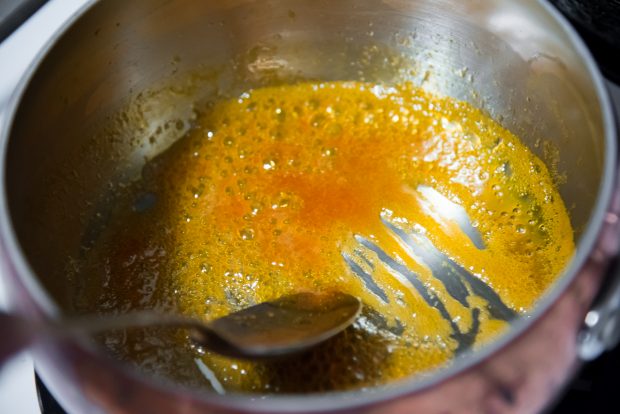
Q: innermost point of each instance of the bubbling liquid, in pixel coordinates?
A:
(441, 221)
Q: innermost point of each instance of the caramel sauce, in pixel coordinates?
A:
(268, 194)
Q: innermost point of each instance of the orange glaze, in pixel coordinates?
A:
(267, 192)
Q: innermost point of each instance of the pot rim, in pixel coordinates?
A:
(341, 400)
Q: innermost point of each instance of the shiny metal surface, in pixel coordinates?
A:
(82, 122)
(460, 284)
(601, 327)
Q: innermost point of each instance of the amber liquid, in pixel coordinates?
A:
(269, 193)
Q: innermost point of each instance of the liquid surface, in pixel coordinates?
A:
(441, 221)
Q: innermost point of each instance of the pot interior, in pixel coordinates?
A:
(125, 72)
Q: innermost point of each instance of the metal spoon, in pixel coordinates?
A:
(278, 328)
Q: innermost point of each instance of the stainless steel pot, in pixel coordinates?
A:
(80, 123)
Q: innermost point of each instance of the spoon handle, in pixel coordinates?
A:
(20, 333)
(93, 324)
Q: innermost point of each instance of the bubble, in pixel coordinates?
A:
(205, 268)
(313, 104)
(269, 164)
(283, 200)
(317, 120)
(280, 115)
(328, 152)
(256, 208)
(199, 350)
(521, 229)
(246, 234)
(229, 141)
(277, 135)
(297, 111)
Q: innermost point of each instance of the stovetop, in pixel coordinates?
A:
(22, 392)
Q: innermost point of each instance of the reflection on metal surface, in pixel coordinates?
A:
(442, 210)
(464, 339)
(369, 282)
(459, 283)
